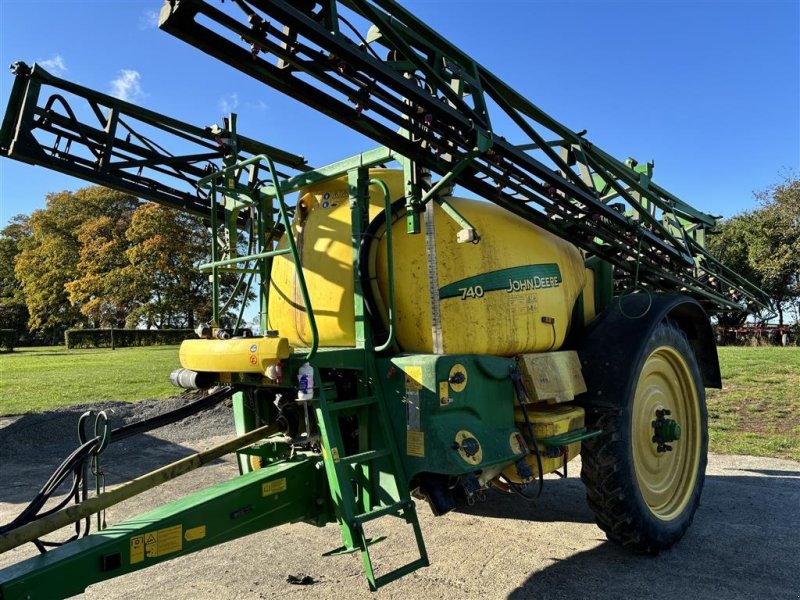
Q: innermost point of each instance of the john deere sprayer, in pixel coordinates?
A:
(413, 344)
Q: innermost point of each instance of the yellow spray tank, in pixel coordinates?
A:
(511, 293)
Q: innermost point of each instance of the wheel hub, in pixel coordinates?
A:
(665, 430)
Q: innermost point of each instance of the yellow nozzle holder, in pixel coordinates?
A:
(244, 355)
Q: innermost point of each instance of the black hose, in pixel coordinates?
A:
(74, 463)
(370, 235)
(131, 429)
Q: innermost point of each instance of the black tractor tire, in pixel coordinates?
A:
(644, 499)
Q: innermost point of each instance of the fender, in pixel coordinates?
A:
(613, 337)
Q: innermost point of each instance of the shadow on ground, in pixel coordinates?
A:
(744, 543)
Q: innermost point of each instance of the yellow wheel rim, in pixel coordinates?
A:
(666, 479)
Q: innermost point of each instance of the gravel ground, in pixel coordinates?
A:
(744, 542)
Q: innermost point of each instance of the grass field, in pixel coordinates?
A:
(36, 379)
(757, 413)
(758, 410)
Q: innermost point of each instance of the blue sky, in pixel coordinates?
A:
(709, 89)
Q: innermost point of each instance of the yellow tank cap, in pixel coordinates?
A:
(244, 355)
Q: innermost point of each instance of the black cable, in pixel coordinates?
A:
(360, 37)
(70, 464)
(368, 237)
(519, 489)
(521, 396)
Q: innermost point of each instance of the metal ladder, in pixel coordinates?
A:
(350, 478)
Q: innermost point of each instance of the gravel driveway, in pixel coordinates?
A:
(744, 543)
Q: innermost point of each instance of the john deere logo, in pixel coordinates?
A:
(515, 279)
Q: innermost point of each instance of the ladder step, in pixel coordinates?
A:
(346, 404)
(402, 571)
(364, 456)
(347, 550)
(391, 509)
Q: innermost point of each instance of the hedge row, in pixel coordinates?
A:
(8, 338)
(120, 338)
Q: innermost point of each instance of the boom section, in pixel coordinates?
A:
(57, 124)
(408, 88)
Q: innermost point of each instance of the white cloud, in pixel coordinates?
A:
(228, 103)
(127, 86)
(148, 19)
(55, 64)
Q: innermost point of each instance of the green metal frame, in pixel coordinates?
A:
(232, 189)
(429, 101)
(283, 492)
(41, 127)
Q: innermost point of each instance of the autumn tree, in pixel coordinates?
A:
(165, 248)
(103, 290)
(97, 257)
(51, 256)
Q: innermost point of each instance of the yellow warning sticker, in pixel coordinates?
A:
(137, 549)
(195, 533)
(164, 541)
(444, 394)
(273, 487)
(413, 379)
(335, 454)
(415, 443)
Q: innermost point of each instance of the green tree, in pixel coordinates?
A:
(13, 311)
(763, 245)
(97, 257)
(775, 248)
(166, 248)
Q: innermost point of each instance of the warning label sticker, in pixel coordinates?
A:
(137, 549)
(273, 487)
(444, 394)
(413, 379)
(156, 543)
(415, 443)
(195, 533)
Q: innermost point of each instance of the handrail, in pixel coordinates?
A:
(389, 259)
(238, 259)
(239, 165)
(298, 267)
(312, 322)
